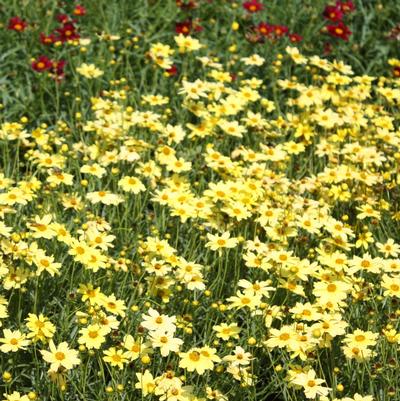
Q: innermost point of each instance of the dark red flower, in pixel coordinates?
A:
(264, 28)
(252, 6)
(280, 30)
(172, 71)
(339, 30)
(333, 13)
(79, 10)
(183, 27)
(63, 18)
(42, 63)
(17, 24)
(346, 6)
(67, 32)
(295, 37)
(396, 72)
(58, 69)
(47, 39)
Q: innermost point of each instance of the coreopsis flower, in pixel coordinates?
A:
(62, 18)
(346, 6)
(165, 341)
(187, 43)
(15, 396)
(155, 321)
(295, 37)
(199, 359)
(311, 385)
(41, 227)
(339, 30)
(146, 383)
(131, 184)
(42, 63)
(67, 32)
(47, 39)
(225, 331)
(17, 24)
(254, 59)
(391, 286)
(40, 328)
(92, 336)
(183, 27)
(239, 357)
(115, 357)
(172, 71)
(60, 356)
(280, 30)
(79, 10)
(389, 248)
(89, 71)
(253, 6)
(333, 13)
(12, 341)
(216, 242)
(58, 69)
(136, 348)
(105, 197)
(264, 28)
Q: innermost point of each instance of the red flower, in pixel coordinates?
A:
(396, 72)
(346, 6)
(17, 24)
(295, 37)
(63, 18)
(183, 27)
(58, 69)
(47, 39)
(172, 71)
(67, 32)
(340, 31)
(43, 63)
(280, 30)
(264, 28)
(252, 6)
(79, 10)
(333, 13)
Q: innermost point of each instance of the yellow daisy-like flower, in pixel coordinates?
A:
(60, 356)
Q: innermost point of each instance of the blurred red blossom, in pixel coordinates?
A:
(333, 13)
(42, 63)
(252, 6)
(339, 30)
(17, 24)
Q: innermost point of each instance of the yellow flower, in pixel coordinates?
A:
(131, 184)
(391, 286)
(199, 359)
(311, 385)
(92, 336)
(225, 331)
(89, 71)
(13, 341)
(221, 241)
(146, 382)
(40, 327)
(60, 356)
(105, 197)
(187, 43)
(115, 357)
